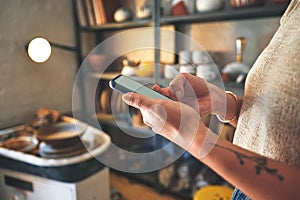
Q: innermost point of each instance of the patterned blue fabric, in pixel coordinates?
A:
(238, 195)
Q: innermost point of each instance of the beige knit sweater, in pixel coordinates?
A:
(269, 123)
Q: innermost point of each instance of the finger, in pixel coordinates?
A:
(156, 87)
(164, 91)
(169, 93)
(137, 100)
(177, 85)
(153, 113)
(155, 117)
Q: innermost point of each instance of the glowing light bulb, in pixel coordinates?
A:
(39, 50)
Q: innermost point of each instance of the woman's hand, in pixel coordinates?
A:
(194, 91)
(174, 120)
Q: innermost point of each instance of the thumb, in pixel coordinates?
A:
(136, 100)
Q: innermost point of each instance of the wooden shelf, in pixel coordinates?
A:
(118, 26)
(269, 10)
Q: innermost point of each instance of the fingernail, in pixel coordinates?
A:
(155, 87)
(126, 98)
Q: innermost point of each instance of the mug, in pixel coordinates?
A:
(190, 69)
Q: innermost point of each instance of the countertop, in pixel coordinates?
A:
(132, 190)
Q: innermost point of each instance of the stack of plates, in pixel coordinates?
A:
(50, 151)
(62, 140)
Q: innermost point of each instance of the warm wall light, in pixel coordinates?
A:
(39, 50)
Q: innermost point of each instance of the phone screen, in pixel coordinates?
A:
(124, 84)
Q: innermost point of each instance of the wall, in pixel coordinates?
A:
(24, 85)
(220, 37)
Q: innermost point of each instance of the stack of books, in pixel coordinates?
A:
(96, 12)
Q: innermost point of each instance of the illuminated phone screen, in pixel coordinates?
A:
(124, 84)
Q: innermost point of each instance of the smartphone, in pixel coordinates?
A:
(124, 84)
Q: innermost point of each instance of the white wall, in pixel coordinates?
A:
(26, 86)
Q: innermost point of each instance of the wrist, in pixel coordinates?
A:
(232, 105)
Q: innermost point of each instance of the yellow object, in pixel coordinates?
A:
(214, 192)
(145, 69)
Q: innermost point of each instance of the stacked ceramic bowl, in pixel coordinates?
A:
(206, 67)
(185, 61)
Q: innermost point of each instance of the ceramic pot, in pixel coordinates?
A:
(122, 14)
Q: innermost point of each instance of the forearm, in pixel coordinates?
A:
(257, 176)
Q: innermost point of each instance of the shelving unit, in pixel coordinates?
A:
(228, 13)
(107, 121)
(268, 10)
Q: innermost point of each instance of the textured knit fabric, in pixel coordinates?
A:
(269, 122)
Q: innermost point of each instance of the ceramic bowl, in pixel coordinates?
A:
(190, 69)
(209, 5)
(171, 71)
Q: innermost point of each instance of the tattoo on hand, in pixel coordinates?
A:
(261, 163)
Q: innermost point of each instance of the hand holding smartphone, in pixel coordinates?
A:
(124, 84)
